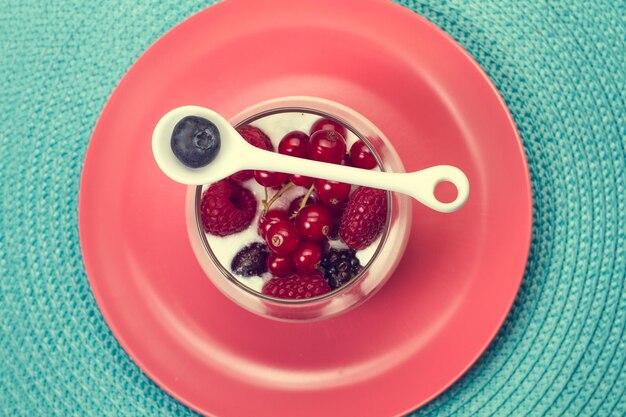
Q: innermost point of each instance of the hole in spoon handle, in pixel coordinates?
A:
(423, 185)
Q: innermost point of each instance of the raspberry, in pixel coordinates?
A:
(227, 208)
(364, 217)
(340, 266)
(297, 286)
(251, 260)
(256, 137)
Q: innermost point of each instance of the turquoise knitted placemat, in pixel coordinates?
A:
(561, 68)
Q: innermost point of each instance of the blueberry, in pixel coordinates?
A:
(195, 141)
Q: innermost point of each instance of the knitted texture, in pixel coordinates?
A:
(560, 67)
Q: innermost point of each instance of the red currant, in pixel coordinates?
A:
(280, 266)
(294, 144)
(242, 176)
(332, 193)
(327, 146)
(328, 124)
(314, 222)
(269, 178)
(301, 180)
(306, 256)
(294, 206)
(282, 237)
(271, 217)
(361, 156)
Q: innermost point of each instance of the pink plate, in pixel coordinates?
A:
(450, 293)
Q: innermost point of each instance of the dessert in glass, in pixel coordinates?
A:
(291, 247)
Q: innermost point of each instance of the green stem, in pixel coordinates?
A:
(304, 200)
(268, 204)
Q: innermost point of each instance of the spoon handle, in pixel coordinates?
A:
(419, 184)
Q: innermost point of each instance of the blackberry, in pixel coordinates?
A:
(339, 266)
(251, 260)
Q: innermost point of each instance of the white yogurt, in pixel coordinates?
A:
(225, 248)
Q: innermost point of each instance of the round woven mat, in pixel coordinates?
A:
(560, 68)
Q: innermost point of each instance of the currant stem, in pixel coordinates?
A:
(306, 197)
(303, 202)
(264, 201)
(276, 196)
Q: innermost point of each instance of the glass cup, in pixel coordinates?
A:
(375, 272)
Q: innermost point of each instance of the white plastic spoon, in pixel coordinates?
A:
(235, 154)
